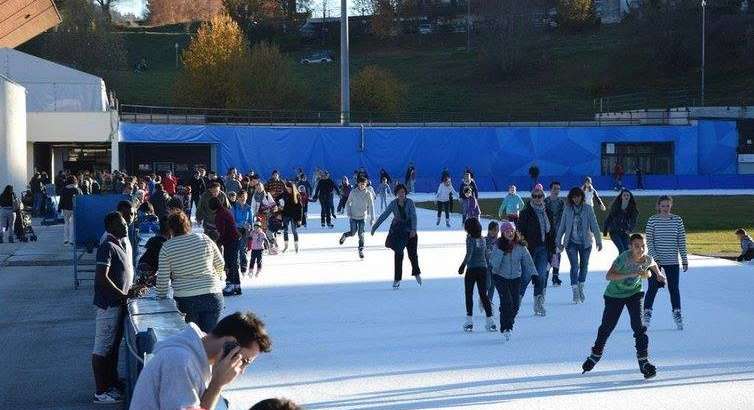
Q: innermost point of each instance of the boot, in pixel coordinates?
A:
(582, 297)
(541, 302)
(285, 246)
(469, 325)
(575, 290)
(342, 239)
(447, 222)
(556, 282)
(647, 369)
(535, 299)
(295, 246)
(591, 361)
(490, 326)
(418, 279)
(646, 318)
(678, 319)
(438, 221)
(396, 284)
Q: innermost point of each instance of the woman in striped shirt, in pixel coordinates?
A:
(194, 265)
(666, 239)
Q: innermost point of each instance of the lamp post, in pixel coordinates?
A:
(704, 7)
(468, 25)
(345, 80)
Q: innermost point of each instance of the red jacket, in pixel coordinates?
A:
(226, 226)
(169, 184)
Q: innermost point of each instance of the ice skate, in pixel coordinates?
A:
(678, 319)
(590, 362)
(506, 336)
(647, 369)
(582, 296)
(396, 284)
(646, 318)
(285, 246)
(469, 325)
(418, 279)
(342, 239)
(295, 246)
(575, 290)
(490, 326)
(361, 254)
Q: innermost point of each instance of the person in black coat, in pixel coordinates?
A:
(621, 220)
(324, 191)
(292, 213)
(534, 224)
(159, 201)
(468, 182)
(66, 206)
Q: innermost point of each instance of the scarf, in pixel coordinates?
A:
(544, 222)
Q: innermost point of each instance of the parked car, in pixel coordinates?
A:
(425, 28)
(317, 58)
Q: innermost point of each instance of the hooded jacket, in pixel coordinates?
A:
(176, 376)
(359, 204)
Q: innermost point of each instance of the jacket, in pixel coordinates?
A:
(203, 213)
(359, 204)
(528, 225)
(169, 184)
(555, 210)
(176, 376)
(470, 207)
(589, 222)
(476, 254)
(226, 226)
(512, 265)
(66, 197)
(325, 188)
(242, 214)
(257, 240)
(198, 186)
(291, 209)
(159, 201)
(472, 185)
(392, 208)
(345, 190)
(445, 193)
(620, 221)
(511, 205)
(276, 188)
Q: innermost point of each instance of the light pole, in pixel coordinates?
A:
(345, 80)
(468, 25)
(704, 7)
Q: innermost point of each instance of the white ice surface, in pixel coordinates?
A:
(343, 339)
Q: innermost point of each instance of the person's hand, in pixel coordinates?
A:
(228, 368)
(371, 232)
(460, 270)
(644, 274)
(685, 266)
(602, 207)
(412, 234)
(599, 247)
(661, 277)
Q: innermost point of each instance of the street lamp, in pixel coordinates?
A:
(345, 81)
(704, 7)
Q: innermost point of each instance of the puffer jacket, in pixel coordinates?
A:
(512, 265)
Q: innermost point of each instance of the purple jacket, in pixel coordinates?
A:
(470, 207)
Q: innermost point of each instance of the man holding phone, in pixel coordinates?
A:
(191, 368)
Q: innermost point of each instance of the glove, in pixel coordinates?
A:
(460, 270)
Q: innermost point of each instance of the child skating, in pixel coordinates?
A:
(384, 191)
(625, 290)
(490, 242)
(510, 260)
(475, 265)
(257, 239)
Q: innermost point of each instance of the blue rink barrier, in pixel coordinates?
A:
(499, 156)
(89, 213)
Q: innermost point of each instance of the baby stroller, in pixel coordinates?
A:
(23, 230)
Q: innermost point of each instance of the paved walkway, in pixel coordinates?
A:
(46, 326)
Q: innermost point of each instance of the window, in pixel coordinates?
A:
(651, 157)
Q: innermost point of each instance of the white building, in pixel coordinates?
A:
(68, 122)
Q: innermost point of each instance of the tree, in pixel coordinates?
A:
(377, 91)
(215, 64)
(106, 6)
(577, 14)
(252, 15)
(272, 82)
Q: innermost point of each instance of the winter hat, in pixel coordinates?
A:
(538, 187)
(507, 226)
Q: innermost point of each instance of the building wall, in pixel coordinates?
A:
(69, 126)
(12, 135)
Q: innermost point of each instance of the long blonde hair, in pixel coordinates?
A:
(294, 191)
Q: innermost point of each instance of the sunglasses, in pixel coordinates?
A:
(538, 196)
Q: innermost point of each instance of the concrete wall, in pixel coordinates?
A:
(12, 135)
(69, 126)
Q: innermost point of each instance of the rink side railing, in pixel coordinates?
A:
(200, 116)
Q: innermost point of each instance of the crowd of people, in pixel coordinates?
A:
(242, 217)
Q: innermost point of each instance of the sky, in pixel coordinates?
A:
(136, 7)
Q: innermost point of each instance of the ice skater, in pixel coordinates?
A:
(624, 290)
(510, 260)
(510, 206)
(534, 225)
(469, 205)
(358, 205)
(384, 191)
(475, 265)
(621, 220)
(444, 198)
(747, 246)
(555, 204)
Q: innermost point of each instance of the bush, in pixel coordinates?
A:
(577, 15)
(376, 91)
(272, 83)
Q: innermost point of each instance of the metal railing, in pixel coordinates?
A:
(674, 98)
(544, 117)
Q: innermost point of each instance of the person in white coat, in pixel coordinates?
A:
(444, 197)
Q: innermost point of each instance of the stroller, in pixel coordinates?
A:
(23, 230)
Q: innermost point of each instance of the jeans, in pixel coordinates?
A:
(289, 221)
(326, 204)
(508, 291)
(68, 225)
(383, 201)
(7, 223)
(443, 206)
(256, 256)
(620, 239)
(243, 255)
(230, 255)
(673, 275)
(357, 226)
(539, 256)
(578, 256)
(478, 277)
(204, 310)
(413, 256)
(610, 316)
(490, 285)
(39, 198)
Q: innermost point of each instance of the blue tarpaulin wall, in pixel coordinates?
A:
(705, 152)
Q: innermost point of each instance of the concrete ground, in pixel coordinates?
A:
(46, 327)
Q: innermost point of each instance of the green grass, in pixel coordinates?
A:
(710, 220)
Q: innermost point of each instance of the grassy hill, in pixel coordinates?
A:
(440, 76)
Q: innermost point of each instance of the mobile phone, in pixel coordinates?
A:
(228, 347)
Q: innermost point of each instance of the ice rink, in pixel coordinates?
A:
(344, 339)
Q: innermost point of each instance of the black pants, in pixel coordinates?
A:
(342, 203)
(443, 206)
(746, 256)
(411, 246)
(613, 310)
(303, 216)
(326, 203)
(256, 256)
(509, 291)
(672, 273)
(478, 277)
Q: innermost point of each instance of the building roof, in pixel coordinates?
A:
(51, 86)
(22, 20)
